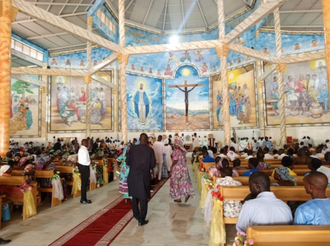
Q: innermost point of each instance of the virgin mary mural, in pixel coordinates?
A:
(141, 105)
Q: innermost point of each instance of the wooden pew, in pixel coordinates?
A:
(285, 193)
(289, 235)
(46, 174)
(1, 208)
(18, 181)
(245, 180)
(207, 165)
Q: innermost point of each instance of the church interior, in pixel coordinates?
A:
(215, 70)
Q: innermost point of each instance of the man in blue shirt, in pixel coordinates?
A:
(268, 144)
(253, 163)
(317, 210)
(206, 157)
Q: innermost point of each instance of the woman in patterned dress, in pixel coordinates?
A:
(180, 183)
(124, 171)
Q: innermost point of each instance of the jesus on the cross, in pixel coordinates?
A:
(186, 91)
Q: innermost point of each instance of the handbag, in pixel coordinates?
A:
(5, 214)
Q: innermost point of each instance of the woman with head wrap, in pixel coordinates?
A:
(283, 177)
(180, 183)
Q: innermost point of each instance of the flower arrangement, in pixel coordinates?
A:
(201, 169)
(75, 170)
(56, 176)
(216, 193)
(208, 183)
(240, 241)
(24, 187)
(206, 176)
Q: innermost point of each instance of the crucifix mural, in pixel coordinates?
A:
(186, 91)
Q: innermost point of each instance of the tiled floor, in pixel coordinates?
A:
(170, 223)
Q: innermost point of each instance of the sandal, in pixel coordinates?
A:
(178, 200)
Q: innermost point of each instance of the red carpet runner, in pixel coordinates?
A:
(104, 226)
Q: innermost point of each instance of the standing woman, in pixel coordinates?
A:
(180, 183)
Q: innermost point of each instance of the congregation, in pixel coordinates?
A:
(226, 164)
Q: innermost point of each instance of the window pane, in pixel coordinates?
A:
(40, 56)
(18, 46)
(33, 53)
(26, 50)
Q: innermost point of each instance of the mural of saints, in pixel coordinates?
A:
(141, 105)
(242, 99)
(306, 94)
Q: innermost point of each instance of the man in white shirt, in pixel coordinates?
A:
(255, 145)
(262, 208)
(267, 155)
(242, 144)
(281, 154)
(318, 153)
(195, 141)
(249, 154)
(159, 150)
(231, 154)
(233, 144)
(168, 152)
(84, 162)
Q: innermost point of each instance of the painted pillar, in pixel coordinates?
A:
(44, 106)
(223, 54)
(261, 102)
(122, 60)
(88, 80)
(326, 24)
(280, 68)
(116, 101)
(7, 15)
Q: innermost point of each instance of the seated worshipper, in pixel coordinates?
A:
(326, 159)
(237, 165)
(311, 148)
(222, 153)
(253, 163)
(315, 165)
(231, 154)
(225, 163)
(244, 153)
(261, 164)
(267, 155)
(281, 154)
(290, 153)
(283, 177)
(262, 208)
(275, 153)
(231, 208)
(317, 210)
(249, 154)
(206, 157)
(288, 163)
(214, 171)
(318, 153)
(302, 158)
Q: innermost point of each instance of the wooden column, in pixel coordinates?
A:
(326, 24)
(280, 68)
(122, 60)
(88, 80)
(7, 15)
(223, 54)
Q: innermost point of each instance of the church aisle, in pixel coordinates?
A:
(169, 224)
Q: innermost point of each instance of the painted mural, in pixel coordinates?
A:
(68, 104)
(78, 60)
(291, 44)
(24, 110)
(144, 103)
(187, 100)
(305, 91)
(242, 98)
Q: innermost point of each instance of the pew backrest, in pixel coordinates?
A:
(313, 234)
